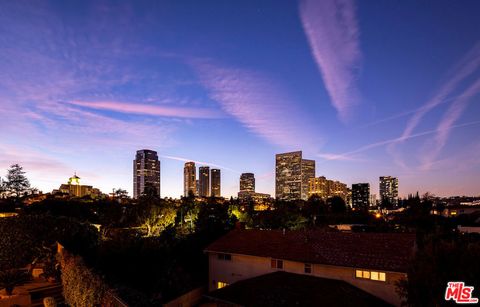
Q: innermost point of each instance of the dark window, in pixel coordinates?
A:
(308, 268)
(276, 264)
(222, 256)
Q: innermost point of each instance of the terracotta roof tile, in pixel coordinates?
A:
(383, 251)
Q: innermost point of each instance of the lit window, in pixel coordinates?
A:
(276, 264)
(221, 284)
(372, 275)
(308, 268)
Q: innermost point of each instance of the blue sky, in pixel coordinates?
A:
(366, 88)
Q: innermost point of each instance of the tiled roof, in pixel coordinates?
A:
(288, 289)
(382, 251)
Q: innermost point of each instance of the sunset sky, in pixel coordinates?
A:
(366, 88)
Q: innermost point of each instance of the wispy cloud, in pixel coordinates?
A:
(446, 124)
(149, 109)
(332, 32)
(259, 102)
(338, 157)
(457, 76)
(469, 64)
(351, 154)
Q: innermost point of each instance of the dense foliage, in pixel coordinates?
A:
(438, 260)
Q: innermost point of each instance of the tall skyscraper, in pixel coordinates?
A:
(389, 190)
(360, 195)
(247, 182)
(204, 181)
(308, 172)
(189, 179)
(215, 179)
(146, 172)
(292, 174)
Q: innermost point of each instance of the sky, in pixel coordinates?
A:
(365, 88)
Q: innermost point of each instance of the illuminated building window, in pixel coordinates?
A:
(308, 268)
(277, 264)
(221, 284)
(226, 257)
(372, 275)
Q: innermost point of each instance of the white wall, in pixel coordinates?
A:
(244, 267)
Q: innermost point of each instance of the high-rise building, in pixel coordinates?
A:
(373, 199)
(247, 182)
(204, 181)
(216, 182)
(308, 172)
(325, 188)
(146, 172)
(360, 195)
(189, 179)
(292, 174)
(389, 190)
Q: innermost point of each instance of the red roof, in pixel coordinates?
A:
(380, 251)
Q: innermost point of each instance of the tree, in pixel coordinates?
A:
(438, 260)
(9, 279)
(337, 204)
(120, 193)
(3, 187)
(188, 209)
(156, 218)
(17, 183)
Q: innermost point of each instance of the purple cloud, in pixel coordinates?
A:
(149, 109)
(332, 32)
(258, 102)
(448, 121)
(469, 64)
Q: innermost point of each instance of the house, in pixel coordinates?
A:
(372, 262)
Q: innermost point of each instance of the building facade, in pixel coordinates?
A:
(146, 172)
(325, 188)
(381, 260)
(389, 190)
(361, 196)
(204, 181)
(74, 189)
(308, 172)
(247, 182)
(292, 174)
(189, 179)
(216, 182)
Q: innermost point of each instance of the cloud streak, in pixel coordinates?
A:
(332, 32)
(350, 154)
(149, 109)
(457, 76)
(469, 64)
(445, 126)
(257, 101)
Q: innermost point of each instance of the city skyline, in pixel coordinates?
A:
(87, 84)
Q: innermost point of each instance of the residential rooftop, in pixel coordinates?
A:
(288, 289)
(381, 251)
